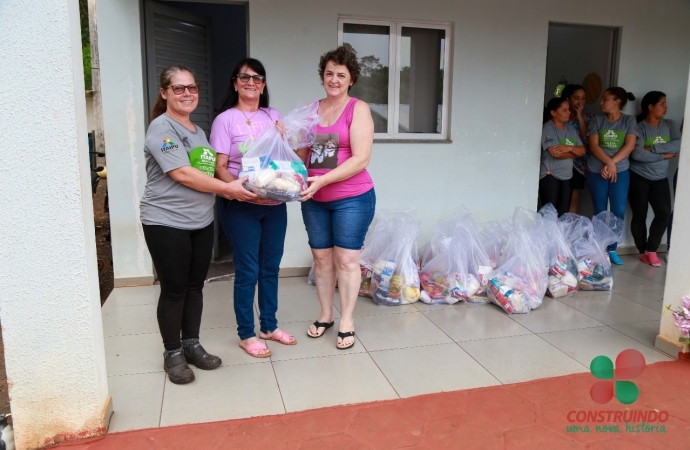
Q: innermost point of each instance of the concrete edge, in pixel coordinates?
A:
(133, 281)
(666, 346)
(107, 414)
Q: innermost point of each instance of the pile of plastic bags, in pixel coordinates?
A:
(563, 272)
(274, 169)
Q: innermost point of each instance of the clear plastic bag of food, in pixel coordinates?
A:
(444, 277)
(494, 236)
(563, 272)
(593, 264)
(395, 278)
(608, 229)
(275, 171)
(476, 265)
(519, 283)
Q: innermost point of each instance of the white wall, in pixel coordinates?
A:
(124, 118)
(49, 299)
(499, 54)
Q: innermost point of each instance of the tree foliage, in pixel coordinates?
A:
(85, 41)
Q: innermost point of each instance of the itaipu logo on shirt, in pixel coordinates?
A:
(657, 140)
(568, 141)
(168, 145)
(204, 159)
(611, 139)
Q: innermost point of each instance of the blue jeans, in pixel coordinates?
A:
(604, 193)
(341, 223)
(257, 234)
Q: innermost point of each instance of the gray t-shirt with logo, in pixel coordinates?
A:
(611, 139)
(662, 139)
(169, 146)
(552, 135)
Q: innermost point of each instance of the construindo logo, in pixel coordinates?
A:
(615, 380)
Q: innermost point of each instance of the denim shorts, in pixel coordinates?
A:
(341, 223)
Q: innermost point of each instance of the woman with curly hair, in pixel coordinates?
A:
(338, 206)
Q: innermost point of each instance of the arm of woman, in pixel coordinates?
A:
(596, 150)
(361, 142)
(669, 147)
(199, 181)
(644, 156)
(582, 123)
(222, 168)
(626, 149)
(302, 153)
(573, 152)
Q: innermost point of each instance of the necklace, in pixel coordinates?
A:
(249, 119)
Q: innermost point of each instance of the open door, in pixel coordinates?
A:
(176, 36)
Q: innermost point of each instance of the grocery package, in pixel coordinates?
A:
(395, 277)
(377, 240)
(563, 272)
(275, 171)
(608, 229)
(445, 278)
(494, 236)
(594, 267)
(519, 282)
(477, 265)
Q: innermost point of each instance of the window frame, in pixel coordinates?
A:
(394, 68)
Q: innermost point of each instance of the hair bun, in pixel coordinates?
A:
(630, 96)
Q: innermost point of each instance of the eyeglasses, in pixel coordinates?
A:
(179, 88)
(244, 78)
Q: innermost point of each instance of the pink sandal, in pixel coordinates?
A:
(280, 336)
(254, 349)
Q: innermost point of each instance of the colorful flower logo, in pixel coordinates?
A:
(629, 364)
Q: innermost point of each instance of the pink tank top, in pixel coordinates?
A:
(331, 149)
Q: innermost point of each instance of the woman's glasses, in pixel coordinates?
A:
(245, 77)
(179, 88)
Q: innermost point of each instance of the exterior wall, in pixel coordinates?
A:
(677, 282)
(124, 118)
(49, 299)
(499, 62)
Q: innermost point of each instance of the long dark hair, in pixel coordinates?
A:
(166, 74)
(553, 105)
(620, 94)
(570, 89)
(232, 97)
(649, 99)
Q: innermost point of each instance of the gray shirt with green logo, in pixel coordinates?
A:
(552, 135)
(169, 145)
(611, 139)
(662, 139)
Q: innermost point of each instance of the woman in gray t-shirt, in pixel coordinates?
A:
(560, 144)
(612, 137)
(177, 218)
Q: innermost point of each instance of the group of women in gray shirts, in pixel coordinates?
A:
(622, 159)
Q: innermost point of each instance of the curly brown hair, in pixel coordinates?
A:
(341, 56)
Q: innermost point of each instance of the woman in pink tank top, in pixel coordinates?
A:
(339, 204)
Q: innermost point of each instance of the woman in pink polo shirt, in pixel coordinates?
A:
(339, 204)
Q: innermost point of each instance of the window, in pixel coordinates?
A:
(403, 76)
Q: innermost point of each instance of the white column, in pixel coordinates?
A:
(677, 279)
(49, 298)
(124, 117)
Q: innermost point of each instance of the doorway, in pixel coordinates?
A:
(209, 38)
(586, 55)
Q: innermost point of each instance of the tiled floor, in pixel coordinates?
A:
(400, 351)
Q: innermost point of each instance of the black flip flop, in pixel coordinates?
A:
(318, 325)
(344, 335)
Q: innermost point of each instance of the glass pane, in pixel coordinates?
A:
(421, 80)
(370, 44)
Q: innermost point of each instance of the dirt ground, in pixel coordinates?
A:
(103, 250)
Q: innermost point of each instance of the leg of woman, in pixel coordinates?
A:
(273, 228)
(171, 250)
(670, 219)
(549, 191)
(599, 189)
(618, 197)
(349, 279)
(202, 246)
(565, 194)
(638, 197)
(351, 219)
(200, 259)
(575, 201)
(318, 222)
(241, 224)
(578, 186)
(660, 199)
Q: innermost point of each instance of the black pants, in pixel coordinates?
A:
(181, 259)
(557, 192)
(644, 192)
(670, 219)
